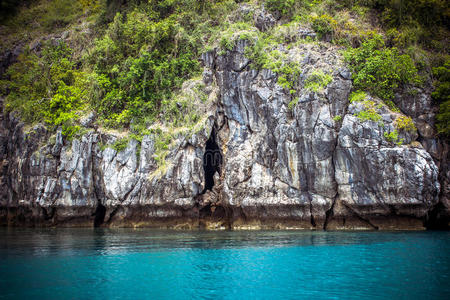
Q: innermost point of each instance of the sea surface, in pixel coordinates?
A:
(151, 264)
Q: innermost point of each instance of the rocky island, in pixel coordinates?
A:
(272, 125)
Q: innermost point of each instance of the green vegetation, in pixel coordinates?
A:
(293, 103)
(47, 88)
(443, 119)
(337, 118)
(265, 55)
(120, 144)
(137, 65)
(380, 70)
(60, 13)
(283, 7)
(393, 137)
(369, 113)
(405, 123)
(324, 25)
(234, 32)
(27, 20)
(392, 106)
(414, 42)
(288, 72)
(357, 96)
(441, 96)
(128, 60)
(141, 56)
(442, 83)
(317, 81)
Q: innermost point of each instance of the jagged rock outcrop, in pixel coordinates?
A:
(278, 161)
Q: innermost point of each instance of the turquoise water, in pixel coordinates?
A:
(148, 264)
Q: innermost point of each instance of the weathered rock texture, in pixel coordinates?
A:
(271, 166)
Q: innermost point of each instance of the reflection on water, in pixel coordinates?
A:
(110, 241)
(141, 263)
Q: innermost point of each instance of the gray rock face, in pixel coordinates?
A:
(7, 58)
(264, 20)
(279, 161)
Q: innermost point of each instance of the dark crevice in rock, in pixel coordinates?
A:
(242, 213)
(437, 218)
(242, 68)
(224, 121)
(127, 194)
(212, 161)
(229, 216)
(111, 215)
(205, 212)
(218, 212)
(48, 215)
(214, 213)
(359, 217)
(99, 214)
(329, 214)
(313, 222)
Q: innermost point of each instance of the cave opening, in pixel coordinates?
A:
(437, 218)
(99, 214)
(212, 160)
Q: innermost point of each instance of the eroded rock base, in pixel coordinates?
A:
(210, 217)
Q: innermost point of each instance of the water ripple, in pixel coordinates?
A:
(140, 264)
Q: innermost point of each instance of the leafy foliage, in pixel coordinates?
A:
(144, 50)
(393, 137)
(8, 8)
(392, 106)
(369, 113)
(293, 103)
(443, 118)
(425, 12)
(441, 95)
(324, 25)
(337, 118)
(380, 70)
(47, 88)
(442, 83)
(405, 123)
(61, 13)
(120, 144)
(281, 6)
(138, 64)
(357, 96)
(235, 31)
(265, 55)
(317, 81)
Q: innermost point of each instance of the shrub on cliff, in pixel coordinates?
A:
(380, 70)
(441, 96)
(144, 50)
(47, 88)
(147, 53)
(324, 26)
(138, 63)
(283, 7)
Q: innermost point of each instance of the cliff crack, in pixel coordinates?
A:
(99, 214)
(313, 221)
(357, 215)
(330, 212)
(212, 161)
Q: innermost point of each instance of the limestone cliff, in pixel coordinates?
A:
(262, 159)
